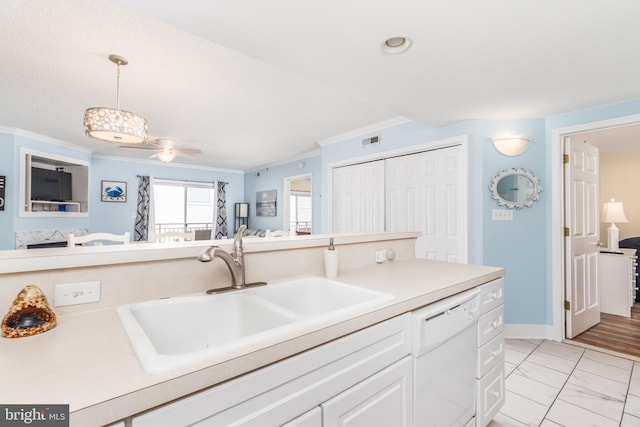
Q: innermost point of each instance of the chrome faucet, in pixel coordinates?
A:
(234, 261)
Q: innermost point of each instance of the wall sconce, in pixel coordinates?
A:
(241, 214)
(512, 145)
(613, 212)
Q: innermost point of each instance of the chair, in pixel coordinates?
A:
(98, 238)
(277, 233)
(172, 236)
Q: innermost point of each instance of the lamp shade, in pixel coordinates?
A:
(242, 210)
(117, 126)
(613, 212)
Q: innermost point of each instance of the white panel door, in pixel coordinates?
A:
(358, 198)
(582, 219)
(426, 192)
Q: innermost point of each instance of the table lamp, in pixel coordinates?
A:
(613, 212)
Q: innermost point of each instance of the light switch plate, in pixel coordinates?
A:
(77, 293)
(502, 215)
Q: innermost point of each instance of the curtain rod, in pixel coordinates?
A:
(183, 180)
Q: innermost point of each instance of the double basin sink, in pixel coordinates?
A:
(174, 332)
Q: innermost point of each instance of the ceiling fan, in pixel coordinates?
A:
(165, 149)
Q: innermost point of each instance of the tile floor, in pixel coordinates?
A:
(553, 384)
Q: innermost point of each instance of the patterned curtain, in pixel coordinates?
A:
(220, 219)
(143, 211)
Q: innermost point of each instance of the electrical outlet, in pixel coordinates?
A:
(502, 215)
(380, 256)
(77, 293)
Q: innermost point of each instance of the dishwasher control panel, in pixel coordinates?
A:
(438, 322)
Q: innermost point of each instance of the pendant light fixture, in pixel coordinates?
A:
(115, 125)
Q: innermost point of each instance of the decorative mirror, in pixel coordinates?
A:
(515, 188)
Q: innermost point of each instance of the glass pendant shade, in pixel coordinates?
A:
(118, 126)
(513, 145)
(113, 124)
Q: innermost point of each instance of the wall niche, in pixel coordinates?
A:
(53, 185)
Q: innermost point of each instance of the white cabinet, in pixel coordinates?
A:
(617, 281)
(290, 390)
(490, 367)
(312, 418)
(385, 399)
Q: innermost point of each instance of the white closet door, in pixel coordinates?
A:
(425, 192)
(358, 198)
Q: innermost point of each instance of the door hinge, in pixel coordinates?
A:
(567, 305)
(565, 158)
(567, 233)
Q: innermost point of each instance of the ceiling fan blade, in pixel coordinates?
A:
(139, 147)
(189, 151)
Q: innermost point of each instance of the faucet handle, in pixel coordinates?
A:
(237, 242)
(240, 231)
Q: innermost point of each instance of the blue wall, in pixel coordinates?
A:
(272, 178)
(120, 217)
(103, 217)
(7, 166)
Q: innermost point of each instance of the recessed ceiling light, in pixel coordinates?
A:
(396, 44)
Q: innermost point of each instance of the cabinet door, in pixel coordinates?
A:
(313, 418)
(385, 399)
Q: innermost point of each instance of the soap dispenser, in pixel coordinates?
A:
(331, 260)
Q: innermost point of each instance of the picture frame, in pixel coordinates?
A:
(267, 203)
(113, 191)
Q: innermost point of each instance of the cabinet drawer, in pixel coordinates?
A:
(490, 354)
(490, 396)
(491, 295)
(490, 325)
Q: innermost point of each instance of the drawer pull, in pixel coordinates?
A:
(495, 295)
(495, 394)
(494, 353)
(494, 324)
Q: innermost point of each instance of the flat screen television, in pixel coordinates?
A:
(50, 185)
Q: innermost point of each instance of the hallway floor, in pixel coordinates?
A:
(553, 384)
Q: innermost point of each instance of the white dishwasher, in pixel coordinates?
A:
(444, 338)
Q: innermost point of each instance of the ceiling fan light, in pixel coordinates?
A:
(166, 156)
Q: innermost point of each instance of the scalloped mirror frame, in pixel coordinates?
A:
(535, 194)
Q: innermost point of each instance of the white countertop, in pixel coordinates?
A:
(88, 362)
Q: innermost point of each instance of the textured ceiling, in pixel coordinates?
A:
(252, 83)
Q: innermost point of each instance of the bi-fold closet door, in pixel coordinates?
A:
(423, 192)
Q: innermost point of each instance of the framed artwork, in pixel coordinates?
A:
(113, 191)
(266, 203)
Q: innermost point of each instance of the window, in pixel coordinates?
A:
(183, 206)
(300, 212)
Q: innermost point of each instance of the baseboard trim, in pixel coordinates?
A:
(529, 332)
